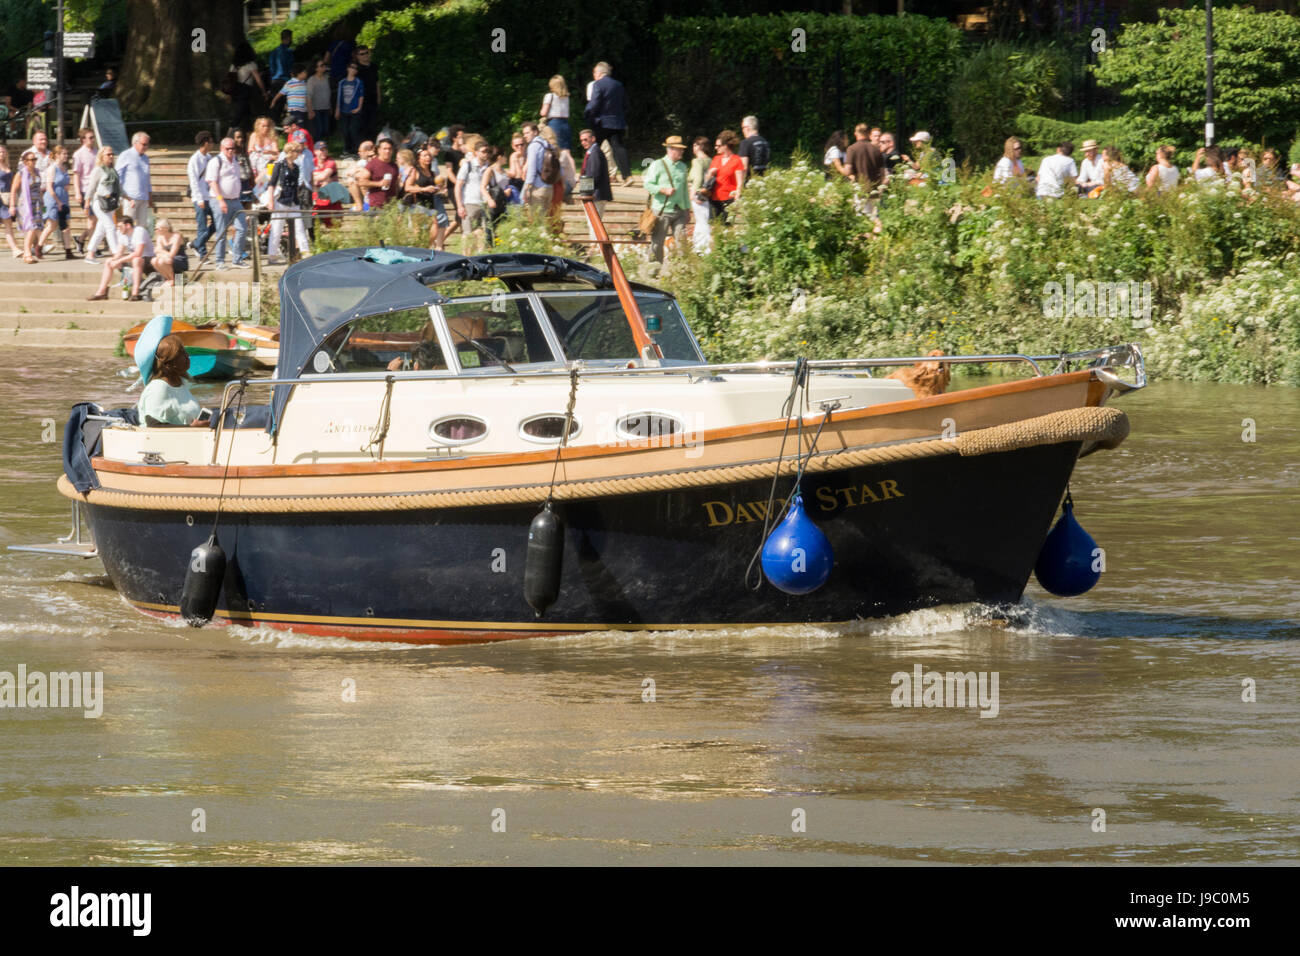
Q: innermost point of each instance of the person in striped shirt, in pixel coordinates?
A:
(295, 95)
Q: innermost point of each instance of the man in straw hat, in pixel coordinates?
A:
(1092, 172)
(665, 181)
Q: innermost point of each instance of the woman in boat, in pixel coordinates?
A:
(167, 399)
(169, 252)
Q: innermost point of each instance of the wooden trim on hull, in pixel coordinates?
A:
(398, 631)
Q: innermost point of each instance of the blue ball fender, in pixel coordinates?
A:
(1065, 565)
(797, 557)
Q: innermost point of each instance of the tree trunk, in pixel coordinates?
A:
(176, 54)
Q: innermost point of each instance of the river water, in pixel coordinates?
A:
(233, 745)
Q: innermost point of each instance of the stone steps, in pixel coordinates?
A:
(57, 338)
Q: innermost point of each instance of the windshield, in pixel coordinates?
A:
(593, 327)
(502, 331)
(393, 341)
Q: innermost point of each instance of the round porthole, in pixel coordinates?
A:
(547, 428)
(458, 429)
(647, 425)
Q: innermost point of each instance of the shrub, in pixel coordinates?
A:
(1161, 68)
(801, 273)
(991, 88)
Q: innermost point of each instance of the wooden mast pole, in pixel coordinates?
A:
(645, 345)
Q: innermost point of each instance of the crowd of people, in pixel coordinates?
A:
(274, 163)
(1105, 169)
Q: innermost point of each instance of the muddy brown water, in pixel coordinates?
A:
(772, 745)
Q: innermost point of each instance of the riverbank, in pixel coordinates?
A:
(1206, 280)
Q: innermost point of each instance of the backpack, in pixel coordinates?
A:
(550, 167)
(760, 155)
(415, 139)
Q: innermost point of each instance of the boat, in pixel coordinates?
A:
(265, 339)
(548, 452)
(214, 355)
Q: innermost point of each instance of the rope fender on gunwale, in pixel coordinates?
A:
(1105, 426)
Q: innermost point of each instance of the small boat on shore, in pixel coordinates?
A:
(214, 355)
(550, 453)
(265, 340)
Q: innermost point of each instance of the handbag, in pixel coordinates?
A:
(703, 194)
(646, 224)
(114, 198)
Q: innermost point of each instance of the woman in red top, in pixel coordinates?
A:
(728, 173)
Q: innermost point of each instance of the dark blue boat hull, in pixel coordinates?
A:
(906, 535)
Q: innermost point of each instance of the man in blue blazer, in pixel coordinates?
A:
(606, 113)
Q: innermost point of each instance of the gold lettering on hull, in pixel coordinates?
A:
(721, 513)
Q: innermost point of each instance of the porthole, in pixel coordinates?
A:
(547, 428)
(458, 429)
(647, 425)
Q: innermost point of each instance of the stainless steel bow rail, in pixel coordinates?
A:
(1103, 360)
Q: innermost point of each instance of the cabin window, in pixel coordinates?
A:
(593, 326)
(502, 331)
(647, 425)
(458, 429)
(547, 428)
(392, 341)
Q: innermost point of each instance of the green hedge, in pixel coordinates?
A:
(438, 65)
(1042, 135)
(716, 70)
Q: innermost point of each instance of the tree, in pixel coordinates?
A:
(176, 55)
(1161, 68)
